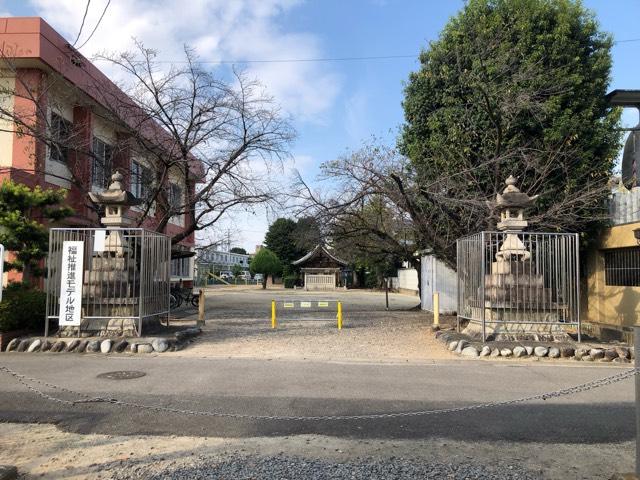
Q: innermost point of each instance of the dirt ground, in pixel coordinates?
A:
(239, 325)
(43, 451)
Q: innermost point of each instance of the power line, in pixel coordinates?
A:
(318, 60)
(84, 17)
(628, 40)
(97, 25)
(291, 60)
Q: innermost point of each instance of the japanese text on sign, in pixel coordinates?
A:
(71, 283)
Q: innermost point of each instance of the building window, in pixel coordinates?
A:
(176, 201)
(180, 268)
(622, 267)
(101, 164)
(141, 180)
(60, 136)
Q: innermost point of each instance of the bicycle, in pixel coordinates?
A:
(177, 296)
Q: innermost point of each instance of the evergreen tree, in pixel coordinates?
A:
(25, 216)
(512, 87)
(267, 263)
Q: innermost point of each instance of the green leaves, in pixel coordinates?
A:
(24, 216)
(266, 262)
(513, 87)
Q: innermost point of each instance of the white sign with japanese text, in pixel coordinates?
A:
(71, 283)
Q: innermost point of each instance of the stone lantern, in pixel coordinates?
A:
(116, 202)
(511, 205)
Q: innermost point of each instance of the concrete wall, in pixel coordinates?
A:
(610, 308)
(408, 281)
(438, 277)
(624, 205)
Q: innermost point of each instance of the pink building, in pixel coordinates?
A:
(52, 89)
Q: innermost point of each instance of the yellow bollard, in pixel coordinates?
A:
(436, 308)
(273, 314)
(339, 315)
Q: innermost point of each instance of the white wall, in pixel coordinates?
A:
(408, 279)
(624, 205)
(438, 277)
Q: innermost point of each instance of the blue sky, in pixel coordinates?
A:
(335, 104)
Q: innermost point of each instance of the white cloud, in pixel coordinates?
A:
(219, 30)
(356, 114)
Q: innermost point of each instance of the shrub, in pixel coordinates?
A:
(290, 281)
(22, 307)
(371, 280)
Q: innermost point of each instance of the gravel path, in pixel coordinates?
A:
(238, 325)
(44, 451)
(285, 467)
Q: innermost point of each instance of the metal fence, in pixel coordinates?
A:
(125, 276)
(532, 284)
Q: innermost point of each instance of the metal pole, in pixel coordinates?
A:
(636, 349)
(386, 291)
(577, 260)
(141, 288)
(436, 308)
(201, 307)
(482, 280)
(339, 315)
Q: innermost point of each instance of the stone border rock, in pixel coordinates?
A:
(104, 345)
(464, 346)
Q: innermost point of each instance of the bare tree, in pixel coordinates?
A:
(364, 212)
(220, 137)
(207, 146)
(373, 204)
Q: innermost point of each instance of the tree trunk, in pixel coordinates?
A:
(264, 282)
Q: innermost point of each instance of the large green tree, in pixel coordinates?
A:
(280, 239)
(266, 263)
(25, 215)
(290, 239)
(511, 87)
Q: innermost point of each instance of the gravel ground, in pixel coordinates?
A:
(43, 451)
(238, 325)
(285, 467)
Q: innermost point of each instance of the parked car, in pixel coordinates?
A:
(246, 276)
(226, 275)
(258, 278)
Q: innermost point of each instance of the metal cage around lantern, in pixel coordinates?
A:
(124, 274)
(537, 290)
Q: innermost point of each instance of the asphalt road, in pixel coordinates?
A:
(323, 388)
